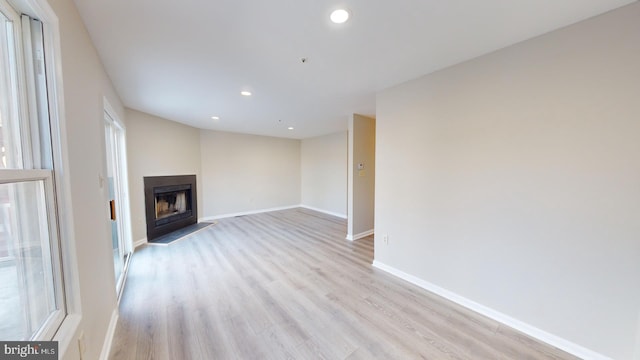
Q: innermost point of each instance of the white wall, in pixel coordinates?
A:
(245, 173)
(361, 182)
(513, 181)
(158, 147)
(324, 173)
(85, 86)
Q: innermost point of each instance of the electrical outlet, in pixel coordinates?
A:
(385, 239)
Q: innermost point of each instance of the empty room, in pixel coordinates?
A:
(320, 180)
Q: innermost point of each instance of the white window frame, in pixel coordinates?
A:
(29, 170)
(40, 9)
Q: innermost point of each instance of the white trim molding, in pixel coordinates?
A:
(521, 326)
(66, 332)
(243, 213)
(360, 235)
(342, 216)
(108, 339)
(140, 242)
(125, 205)
(636, 355)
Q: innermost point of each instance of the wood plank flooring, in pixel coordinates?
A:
(287, 285)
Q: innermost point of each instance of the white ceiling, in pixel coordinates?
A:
(188, 60)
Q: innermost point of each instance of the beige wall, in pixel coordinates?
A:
(236, 173)
(158, 147)
(85, 87)
(245, 173)
(513, 180)
(324, 173)
(361, 182)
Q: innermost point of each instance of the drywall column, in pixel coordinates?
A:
(361, 176)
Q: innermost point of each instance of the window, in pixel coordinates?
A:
(32, 297)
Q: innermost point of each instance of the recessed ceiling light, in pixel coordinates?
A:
(339, 16)
(215, 118)
(290, 128)
(245, 93)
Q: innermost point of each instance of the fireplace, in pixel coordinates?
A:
(170, 203)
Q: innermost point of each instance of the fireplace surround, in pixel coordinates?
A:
(170, 203)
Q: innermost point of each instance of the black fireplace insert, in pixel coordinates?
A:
(170, 203)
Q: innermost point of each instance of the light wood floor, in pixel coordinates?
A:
(287, 285)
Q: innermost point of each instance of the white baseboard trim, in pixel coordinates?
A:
(636, 353)
(139, 242)
(360, 236)
(216, 217)
(108, 339)
(342, 216)
(532, 331)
